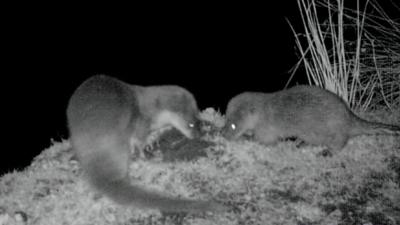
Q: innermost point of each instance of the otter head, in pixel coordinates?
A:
(176, 107)
(241, 116)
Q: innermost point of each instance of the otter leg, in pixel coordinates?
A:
(311, 138)
(337, 142)
(334, 143)
(267, 136)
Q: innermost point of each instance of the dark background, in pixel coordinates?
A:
(214, 51)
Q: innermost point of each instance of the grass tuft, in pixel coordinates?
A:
(354, 52)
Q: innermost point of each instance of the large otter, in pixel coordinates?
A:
(106, 117)
(309, 113)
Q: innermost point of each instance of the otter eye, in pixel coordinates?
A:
(191, 125)
(233, 126)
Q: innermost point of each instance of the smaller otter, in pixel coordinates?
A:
(312, 114)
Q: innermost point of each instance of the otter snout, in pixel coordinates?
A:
(229, 131)
(195, 130)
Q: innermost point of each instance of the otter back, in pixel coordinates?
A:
(310, 113)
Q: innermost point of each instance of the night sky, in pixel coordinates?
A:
(214, 51)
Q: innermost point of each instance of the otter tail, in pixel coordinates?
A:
(106, 170)
(362, 126)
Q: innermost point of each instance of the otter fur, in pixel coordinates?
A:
(107, 117)
(310, 113)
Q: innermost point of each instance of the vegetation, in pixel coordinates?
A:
(281, 184)
(352, 52)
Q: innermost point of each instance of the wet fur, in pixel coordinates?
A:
(309, 113)
(107, 117)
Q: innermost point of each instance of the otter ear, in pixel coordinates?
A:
(248, 107)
